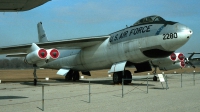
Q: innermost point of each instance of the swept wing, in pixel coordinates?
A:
(77, 43)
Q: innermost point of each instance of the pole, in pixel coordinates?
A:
(162, 85)
(166, 83)
(194, 77)
(122, 87)
(89, 92)
(165, 80)
(181, 80)
(148, 82)
(42, 97)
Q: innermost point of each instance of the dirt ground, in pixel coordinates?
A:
(26, 75)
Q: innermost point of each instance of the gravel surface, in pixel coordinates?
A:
(62, 96)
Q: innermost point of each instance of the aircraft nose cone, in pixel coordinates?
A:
(190, 32)
(185, 32)
(180, 35)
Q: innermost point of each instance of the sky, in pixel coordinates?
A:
(65, 19)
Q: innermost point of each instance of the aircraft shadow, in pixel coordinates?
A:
(11, 97)
(140, 84)
(158, 88)
(32, 84)
(103, 82)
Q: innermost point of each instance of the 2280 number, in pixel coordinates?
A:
(170, 36)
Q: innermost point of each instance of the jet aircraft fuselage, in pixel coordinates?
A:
(151, 37)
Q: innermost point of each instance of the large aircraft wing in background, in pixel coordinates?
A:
(19, 5)
(77, 43)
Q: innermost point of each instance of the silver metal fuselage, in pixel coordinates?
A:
(135, 44)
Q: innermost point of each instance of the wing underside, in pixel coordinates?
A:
(20, 5)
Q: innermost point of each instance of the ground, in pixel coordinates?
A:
(26, 75)
(18, 94)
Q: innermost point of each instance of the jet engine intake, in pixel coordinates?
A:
(36, 56)
(180, 56)
(173, 58)
(177, 57)
(52, 54)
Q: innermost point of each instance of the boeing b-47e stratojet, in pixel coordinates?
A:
(149, 38)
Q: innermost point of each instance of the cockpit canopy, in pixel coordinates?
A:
(149, 19)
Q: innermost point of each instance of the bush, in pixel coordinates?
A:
(14, 63)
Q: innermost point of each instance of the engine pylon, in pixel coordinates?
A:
(36, 55)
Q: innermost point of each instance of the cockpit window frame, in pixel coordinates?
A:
(149, 19)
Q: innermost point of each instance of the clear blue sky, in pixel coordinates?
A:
(64, 19)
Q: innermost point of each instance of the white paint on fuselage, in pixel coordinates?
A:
(103, 55)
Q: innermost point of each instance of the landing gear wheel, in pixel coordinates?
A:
(127, 75)
(117, 77)
(155, 78)
(35, 82)
(76, 76)
(68, 77)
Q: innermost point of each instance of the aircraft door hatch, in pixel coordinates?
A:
(116, 67)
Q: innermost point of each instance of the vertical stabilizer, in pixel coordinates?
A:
(41, 33)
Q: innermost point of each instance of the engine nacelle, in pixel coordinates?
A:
(52, 54)
(177, 57)
(173, 58)
(36, 57)
(180, 57)
(173, 66)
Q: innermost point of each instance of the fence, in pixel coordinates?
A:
(45, 95)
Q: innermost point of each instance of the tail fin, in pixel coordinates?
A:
(41, 33)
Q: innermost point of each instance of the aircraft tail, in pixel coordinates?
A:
(41, 33)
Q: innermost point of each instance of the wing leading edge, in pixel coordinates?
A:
(77, 43)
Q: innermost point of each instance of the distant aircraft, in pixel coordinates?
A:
(19, 5)
(194, 62)
(149, 38)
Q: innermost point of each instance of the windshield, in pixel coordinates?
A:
(149, 19)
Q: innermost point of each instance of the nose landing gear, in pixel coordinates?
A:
(155, 78)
